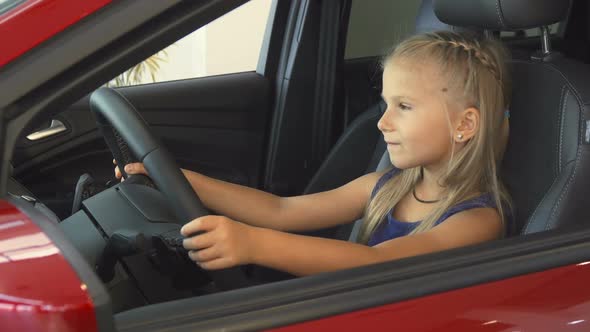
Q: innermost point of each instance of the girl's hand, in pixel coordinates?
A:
(134, 168)
(223, 242)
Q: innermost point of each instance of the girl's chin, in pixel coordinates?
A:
(399, 164)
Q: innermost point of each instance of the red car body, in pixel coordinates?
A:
(37, 21)
(40, 291)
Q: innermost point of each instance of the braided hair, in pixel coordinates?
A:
(475, 51)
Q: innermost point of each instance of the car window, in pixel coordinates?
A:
(376, 25)
(230, 44)
(6, 5)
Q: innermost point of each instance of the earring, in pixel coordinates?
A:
(460, 136)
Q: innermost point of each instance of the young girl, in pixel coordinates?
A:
(445, 129)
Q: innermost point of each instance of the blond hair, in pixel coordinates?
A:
(476, 70)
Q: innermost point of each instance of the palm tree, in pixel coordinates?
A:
(135, 74)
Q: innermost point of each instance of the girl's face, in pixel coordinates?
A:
(415, 124)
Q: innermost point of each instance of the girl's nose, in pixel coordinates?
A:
(384, 124)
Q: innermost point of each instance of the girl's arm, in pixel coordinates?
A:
(304, 255)
(298, 213)
(227, 243)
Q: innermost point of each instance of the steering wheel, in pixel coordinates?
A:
(127, 134)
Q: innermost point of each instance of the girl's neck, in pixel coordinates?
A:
(429, 187)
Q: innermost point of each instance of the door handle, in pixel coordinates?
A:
(55, 128)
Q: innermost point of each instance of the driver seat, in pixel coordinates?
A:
(546, 166)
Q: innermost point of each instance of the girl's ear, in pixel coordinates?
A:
(468, 125)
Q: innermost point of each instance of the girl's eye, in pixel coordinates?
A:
(404, 107)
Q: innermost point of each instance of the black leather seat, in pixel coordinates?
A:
(546, 165)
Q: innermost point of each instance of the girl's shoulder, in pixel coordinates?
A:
(477, 200)
(473, 207)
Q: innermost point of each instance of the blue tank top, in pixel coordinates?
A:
(393, 228)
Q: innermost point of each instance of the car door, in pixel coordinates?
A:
(205, 96)
(531, 283)
(536, 282)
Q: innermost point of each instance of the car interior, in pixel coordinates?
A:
(127, 231)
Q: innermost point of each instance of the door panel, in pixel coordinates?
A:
(214, 125)
(528, 283)
(553, 300)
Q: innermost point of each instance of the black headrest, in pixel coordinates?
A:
(426, 20)
(501, 14)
